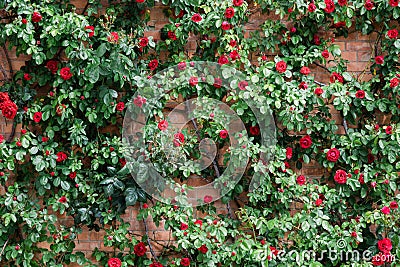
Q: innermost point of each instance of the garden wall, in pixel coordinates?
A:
(356, 49)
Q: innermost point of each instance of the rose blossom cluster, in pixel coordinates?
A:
(7, 106)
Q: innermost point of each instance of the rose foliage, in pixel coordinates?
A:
(82, 69)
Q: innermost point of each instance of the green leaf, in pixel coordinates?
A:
(94, 74)
(65, 185)
(101, 50)
(131, 196)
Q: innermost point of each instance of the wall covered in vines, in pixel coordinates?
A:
(67, 161)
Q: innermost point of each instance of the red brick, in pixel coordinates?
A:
(350, 55)
(364, 55)
(358, 46)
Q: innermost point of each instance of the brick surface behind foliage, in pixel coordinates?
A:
(356, 48)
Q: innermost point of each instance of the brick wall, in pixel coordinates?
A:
(356, 48)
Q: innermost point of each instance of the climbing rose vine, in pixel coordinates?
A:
(84, 63)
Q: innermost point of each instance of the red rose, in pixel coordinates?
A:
(203, 249)
(333, 154)
(182, 65)
(196, 18)
(317, 41)
(225, 25)
(207, 199)
(113, 37)
(223, 134)
(369, 4)
(153, 64)
(303, 85)
(139, 101)
(27, 77)
(242, 85)
(184, 226)
(199, 222)
(163, 125)
(223, 60)
(318, 202)
(24, 21)
(392, 34)
(156, 264)
(180, 15)
(232, 43)
(370, 158)
(339, 24)
(360, 94)
(379, 60)
(144, 41)
(340, 177)
(45, 139)
(234, 55)
(394, 205)
(4, 97)
(140, 249)
(325, 53)
(61, 156)
(140, 1)
(52, 66)
(193, 81)
(312, 7)
(361, 179)
(354, 234)
(62, 199)
(217, 82)
(172, 35)
(336, 77)
(342, 2)
(394, 82)
(90, 30)
(385, 245)
(120, 106)
(273, 250)
(394, 3)
(385, 210)
(305, 142)
(318, 91)
(122, 162)
(254, 130)
(229, 12)
(185, 262)
(305, 70)
(72, 175)
(36, 17)
(237, 2)
(9, 109)
(289, 152)
(388, 129)
(65, 73)
(281, 66)
(179, 139)
(330, 6)
(37, 117)
(114, 262)
(301, 180)
(377, 260)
